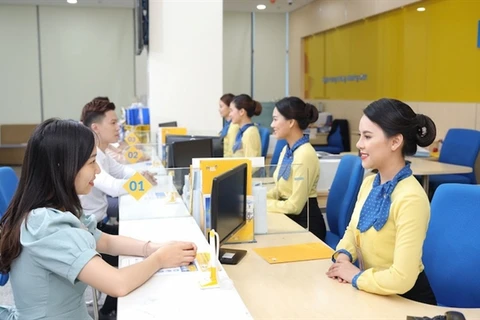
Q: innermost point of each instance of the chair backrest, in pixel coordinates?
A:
(278, 149)
(265, 139)
(340, 126)
(450, 250)
(461, 146)
(8, 185)
(343, 193)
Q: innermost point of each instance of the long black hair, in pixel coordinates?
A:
(55, 153)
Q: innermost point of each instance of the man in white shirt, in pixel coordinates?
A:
(99, 114)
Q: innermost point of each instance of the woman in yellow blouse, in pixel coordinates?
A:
(297, 175)
(247, 141)
(391, 216)
(229, 130)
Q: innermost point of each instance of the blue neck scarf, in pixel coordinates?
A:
(376, 208)
(224, 131)
(287, 161)
(238, 139)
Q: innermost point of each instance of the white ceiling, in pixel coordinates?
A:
(104, 3)
(251, 5)
(228, 5)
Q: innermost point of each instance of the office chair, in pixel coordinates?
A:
(338, 139)
(461, 147)
(8, 185)
(276, 156)
(450, 250)
(342, 197)
(264, 138)
(278, 150)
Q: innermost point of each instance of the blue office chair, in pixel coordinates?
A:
(342, 197)
(338, 139)
(265, 139)
(450, 250)
(461, 146)
(8, 185)
(276, 155)
(278, 150)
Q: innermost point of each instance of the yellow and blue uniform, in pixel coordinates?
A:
(250, 145)
(229, 140)
(392, 255)
(290, 196)
(225, 128)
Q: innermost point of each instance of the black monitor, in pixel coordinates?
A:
(168, 124)
(217, 142)
(228, 211)
(181, 153)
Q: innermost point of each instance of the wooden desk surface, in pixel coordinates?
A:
(301, 290)
(427, 167)
(430, 166)
(278, 224)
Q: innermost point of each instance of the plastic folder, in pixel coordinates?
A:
(297, 252)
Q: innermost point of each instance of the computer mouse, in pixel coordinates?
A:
(454, 315)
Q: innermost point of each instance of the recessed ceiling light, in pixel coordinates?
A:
(72, 1)
(420, 9)
(261, 7)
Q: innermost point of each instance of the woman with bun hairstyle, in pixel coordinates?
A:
(229, 130)
(391, 216)
(247, 141)
(297, 175)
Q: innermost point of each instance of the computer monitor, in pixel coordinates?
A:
(217, 142)
(168, 124)
(228, 209)
(181, 153)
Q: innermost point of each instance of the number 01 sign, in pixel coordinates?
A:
(137, 186)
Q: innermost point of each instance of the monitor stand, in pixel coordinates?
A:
(231, 256)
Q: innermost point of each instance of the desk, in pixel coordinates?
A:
(301, 290)
(426, 168)
(280, 223)
(177, 295)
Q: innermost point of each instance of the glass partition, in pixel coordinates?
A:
(285, 213)
(179, 192)
(167, 197)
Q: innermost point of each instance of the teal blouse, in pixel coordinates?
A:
(56, 246)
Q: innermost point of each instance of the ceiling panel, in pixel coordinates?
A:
(276, 6)
(229, 5)
(103, 3)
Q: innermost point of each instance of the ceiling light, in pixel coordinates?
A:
(420, 9)
(72, 1)
(261, 7)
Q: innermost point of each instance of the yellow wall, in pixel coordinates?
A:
(409, 55)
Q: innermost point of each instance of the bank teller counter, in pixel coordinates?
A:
(164, 200)
(302, 290)
(179, 193)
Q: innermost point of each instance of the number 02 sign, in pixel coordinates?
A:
(133, 155)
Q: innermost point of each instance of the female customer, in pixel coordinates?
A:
(247, 141)
(390, 219)
(297, 176)
(48, 245)
(229, 131)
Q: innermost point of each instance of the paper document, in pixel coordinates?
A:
(297, 252)
(199, 264)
